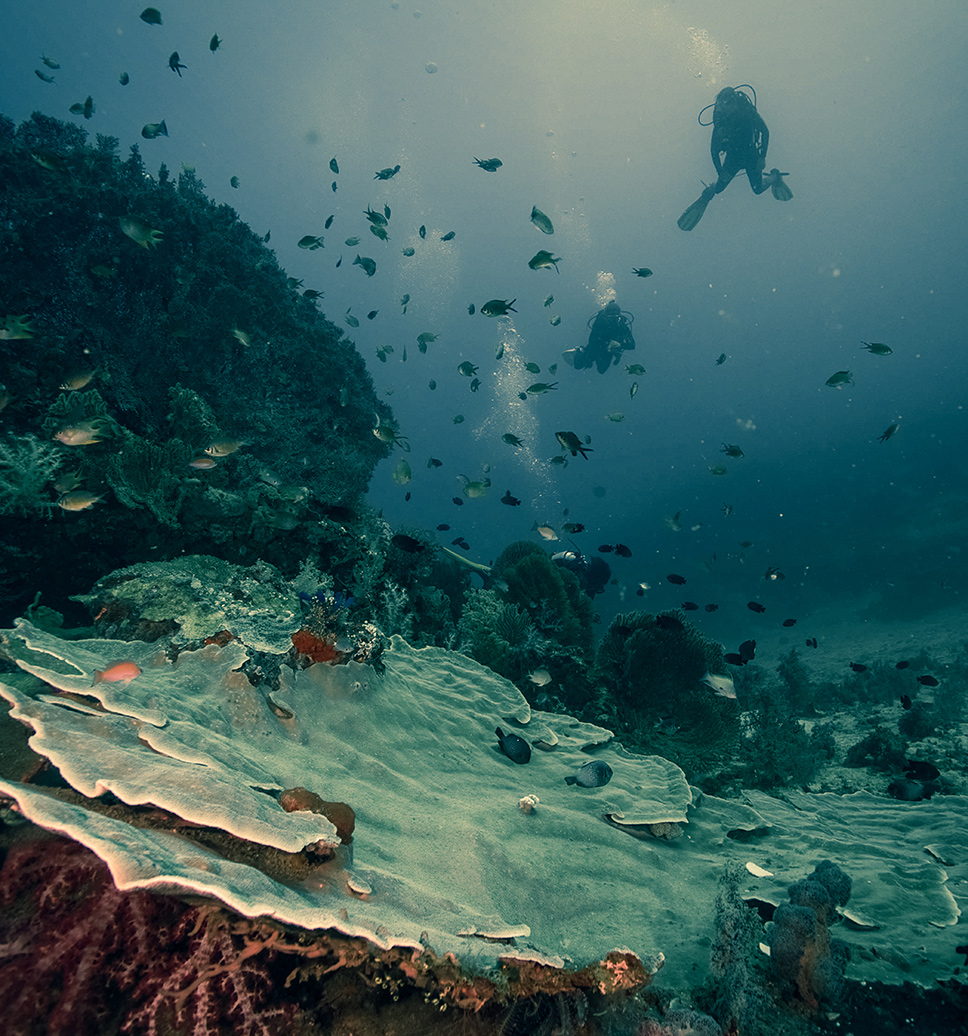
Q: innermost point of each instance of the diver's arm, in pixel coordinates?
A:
(714, 149)
(763, 141)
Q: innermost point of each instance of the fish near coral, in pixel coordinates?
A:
(120, 672)
(595, 774)
(140, 232)
(13, 328)
(515, 748)
(84, 433)
(77, 500)
(721, 685)
(76, 381)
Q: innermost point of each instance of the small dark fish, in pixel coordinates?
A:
(334, 165)
(50, 62)
(511, 501)
(721, 360)
(460, 542)
(668, 622)
(471, 309)
(887, 433)
(642, 271)
(678, 580)
(858, 668)
(489, 165)
(789, 622)
(498, 307)
(901, 665)
(922, 770)
(124, 78)
(333, 185)
(928, 681)
(605, 548)
(906, 702)
(573, 528)
(329, 222)
(621, 551)
(457, 500)
(407, 496)
(639, 592)
(174, 63)
(422, 231)
(734, 659)
(592, 775)
(515, 748)
(712, 607)
(43, 75)
(811, 642)
(747, 650)
(443, 527)
(906, 790)
(85, 108)
(366, 264)
(372, 314)
(151, 15)
(690, 606)
(755, 606)
(214, 43)
(449, 236)
(408, 543)
(387, 174)
(434, 463)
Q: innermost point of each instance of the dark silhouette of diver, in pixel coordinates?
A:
(739, 141)
(610, 336)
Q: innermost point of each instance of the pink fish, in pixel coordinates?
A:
(120, 672)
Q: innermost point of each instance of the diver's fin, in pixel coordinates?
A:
(691, 217)
(779, 188)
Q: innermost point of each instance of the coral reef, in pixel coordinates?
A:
(648, 670)
(200, 337)
(535, 615)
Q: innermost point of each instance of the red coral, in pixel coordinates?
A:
(313, 647)
(78, 956)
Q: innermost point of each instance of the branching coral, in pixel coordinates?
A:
(79, 957)
(648, 669)
(26, 467)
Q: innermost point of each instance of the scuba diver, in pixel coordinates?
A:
(740, 139)
(610, 336)
(592, 573)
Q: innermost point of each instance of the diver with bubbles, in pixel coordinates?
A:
(739, 142)
(610, 335)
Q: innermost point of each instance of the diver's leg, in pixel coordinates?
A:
(729, 170)
(755, 175)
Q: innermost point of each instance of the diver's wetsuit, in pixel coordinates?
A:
(611, 335)
(740, 140)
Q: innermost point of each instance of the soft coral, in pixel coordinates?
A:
(79, 956)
